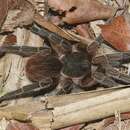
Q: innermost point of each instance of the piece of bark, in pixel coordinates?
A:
(89, 113)
(82, 111)
(54, 101)
(91, 102)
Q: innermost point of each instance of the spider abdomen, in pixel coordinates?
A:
(39, 66)
(76, 64)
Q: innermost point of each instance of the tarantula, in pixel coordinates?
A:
(64, 64)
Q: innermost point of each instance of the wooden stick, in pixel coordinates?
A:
(91, 102)
(91, 114)
(49, 115)
(76, 97)
(88, 109)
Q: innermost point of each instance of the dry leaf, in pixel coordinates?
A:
(117, 33)
(3, 10)
(25, 15)
(81, 11)
(122, 3)
(110, 120)
(123, 125)
(15, 125)
(10, 39)
(19, 17)
(5, 6)
(84, 30)
(111, 123)
(76, 127)
(118, 125)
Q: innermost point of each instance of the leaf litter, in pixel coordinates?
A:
(78, 15)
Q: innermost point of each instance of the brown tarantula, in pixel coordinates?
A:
(64, 64)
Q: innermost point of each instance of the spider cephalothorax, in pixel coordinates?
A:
(76, 64)
(61, 68)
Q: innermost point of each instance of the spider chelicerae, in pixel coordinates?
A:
(66, 63)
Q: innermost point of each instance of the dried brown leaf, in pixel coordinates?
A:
(122, 125)
(25, 15)
(75, 127)
(110, 120)
(10, 39)
(19, 17)
(117, 33)
(5, 6)
(3, 10)
(82, 11)
(85, 31)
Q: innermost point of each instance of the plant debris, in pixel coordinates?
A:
(51, 49)
(117, 33)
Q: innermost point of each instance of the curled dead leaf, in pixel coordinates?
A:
(117, 34)
(82, 11)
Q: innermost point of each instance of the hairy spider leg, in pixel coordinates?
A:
(65, 86)
(115, 59)
(37, 88)
(103, 79)
(24, 51)
(19, 93)
(115, 74)
(109, 61)
(108, 78)
(29, 90)
(58, 43)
